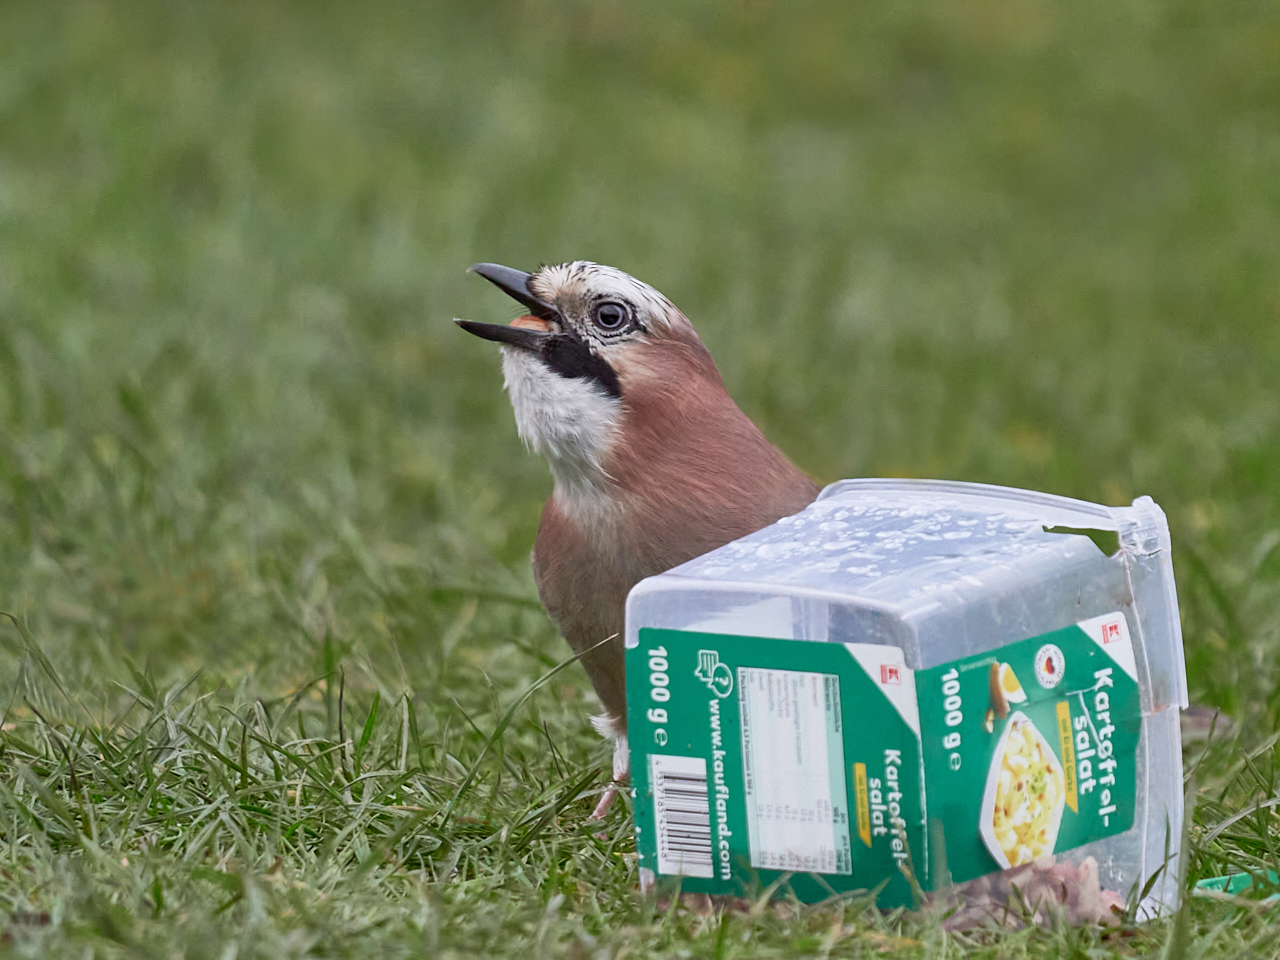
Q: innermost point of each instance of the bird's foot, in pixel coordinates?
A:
(616, 730)
(606, 801)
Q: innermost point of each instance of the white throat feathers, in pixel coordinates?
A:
(572, 422)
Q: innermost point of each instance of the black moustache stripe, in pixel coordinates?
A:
(572, 358)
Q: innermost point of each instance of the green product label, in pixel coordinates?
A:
(756, 758)
(1030, 749)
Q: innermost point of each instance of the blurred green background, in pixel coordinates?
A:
(1001, 241)
(1008, 241)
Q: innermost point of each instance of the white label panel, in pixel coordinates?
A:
(793, 770)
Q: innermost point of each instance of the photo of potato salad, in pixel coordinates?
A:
(1025, 807)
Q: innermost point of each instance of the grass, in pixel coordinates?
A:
(276, 682)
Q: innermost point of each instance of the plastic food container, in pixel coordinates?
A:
(916, 687)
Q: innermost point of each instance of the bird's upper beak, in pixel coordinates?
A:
(529, 332)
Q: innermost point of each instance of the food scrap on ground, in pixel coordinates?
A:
(1040, 890)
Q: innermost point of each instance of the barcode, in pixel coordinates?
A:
(682, 815)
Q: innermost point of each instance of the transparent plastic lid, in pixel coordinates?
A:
(933, 555)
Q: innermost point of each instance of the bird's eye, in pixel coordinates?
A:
(610, 316)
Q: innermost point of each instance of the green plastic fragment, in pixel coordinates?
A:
(1237, 883)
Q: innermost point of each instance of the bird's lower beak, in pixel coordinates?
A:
(528, 333)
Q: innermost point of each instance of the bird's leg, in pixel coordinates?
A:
(606, 801)
(621, 773)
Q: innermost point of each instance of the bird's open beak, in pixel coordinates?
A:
(528, 333)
